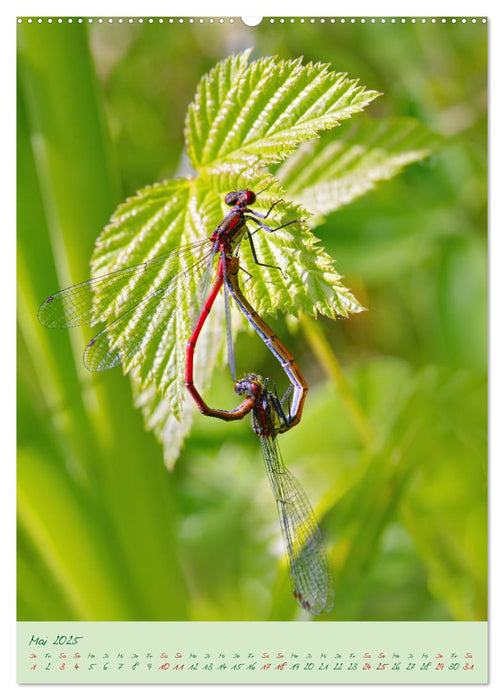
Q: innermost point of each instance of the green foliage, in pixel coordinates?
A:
(245, 116)
(175, 214)
(105, 531)
(325, 175)
(254, 115)
(402, 472)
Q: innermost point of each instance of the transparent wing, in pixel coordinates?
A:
(207, 276)
(134, 297)
(309, 565)
(229, 331)
(109, 295)
(125, 337)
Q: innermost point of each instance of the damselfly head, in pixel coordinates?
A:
(243, 197)
(251, 386)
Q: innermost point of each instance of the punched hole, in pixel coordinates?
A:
(251, 21)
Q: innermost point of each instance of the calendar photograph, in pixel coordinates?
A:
(252, 336)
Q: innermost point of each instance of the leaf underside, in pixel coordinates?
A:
(326, 174)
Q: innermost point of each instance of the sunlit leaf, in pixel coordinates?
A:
(152, 336)
(327, 174)
(260, 112)
(202, 543)
(244, 117)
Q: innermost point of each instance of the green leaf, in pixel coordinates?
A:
(245, 116)
(200, 544)
(258, 113)
(169, 415)
(326, 174)
(175, 214)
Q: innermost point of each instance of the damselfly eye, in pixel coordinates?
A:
(232, 198)
(251, 386)
(249, 197)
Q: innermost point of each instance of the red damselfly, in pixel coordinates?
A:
(308, 562)
(297, 382)
(309, 566)
(127, 299)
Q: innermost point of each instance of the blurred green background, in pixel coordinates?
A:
(392, 447)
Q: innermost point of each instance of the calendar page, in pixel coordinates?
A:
(252, 374)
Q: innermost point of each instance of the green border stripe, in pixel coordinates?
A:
(252, 652)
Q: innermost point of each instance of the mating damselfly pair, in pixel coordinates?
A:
(308, 562)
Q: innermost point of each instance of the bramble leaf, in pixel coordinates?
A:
(245, 117)
(156, 308)
(327, 174)
(256, 114)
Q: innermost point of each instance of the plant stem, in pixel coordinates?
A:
(332, 368)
